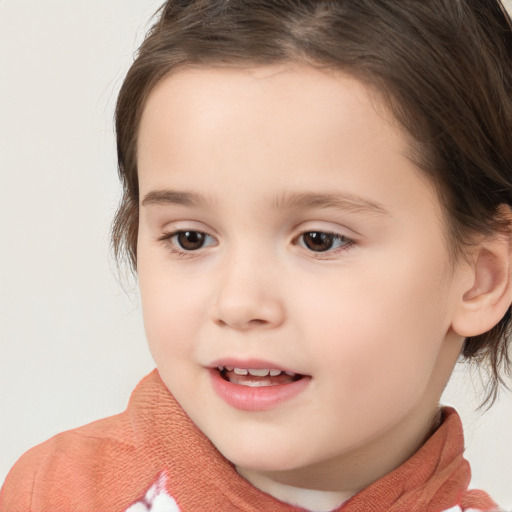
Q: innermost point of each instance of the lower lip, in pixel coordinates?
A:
(261, 398)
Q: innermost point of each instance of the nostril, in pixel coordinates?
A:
(257, 321)
(242, 325)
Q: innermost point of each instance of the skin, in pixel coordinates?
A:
(369, 321)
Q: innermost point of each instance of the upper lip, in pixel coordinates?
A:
(253, 364)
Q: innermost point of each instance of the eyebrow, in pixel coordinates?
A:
(165, 197)
(286, 201)
(344, 201)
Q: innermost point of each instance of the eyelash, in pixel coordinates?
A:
(166, 238)
(347, 243)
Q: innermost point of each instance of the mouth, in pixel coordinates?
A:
(256, 385)
(257, 377)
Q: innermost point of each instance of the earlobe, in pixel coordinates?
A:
(486, 301)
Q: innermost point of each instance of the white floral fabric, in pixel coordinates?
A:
(156, 499)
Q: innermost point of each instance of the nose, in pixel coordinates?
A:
(248, 295)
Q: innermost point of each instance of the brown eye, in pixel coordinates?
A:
(318, 241)
(190, 240)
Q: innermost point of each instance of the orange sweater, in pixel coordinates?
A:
(110, 465)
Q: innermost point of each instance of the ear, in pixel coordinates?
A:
(485, 301)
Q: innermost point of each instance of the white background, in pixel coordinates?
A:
(71, 338)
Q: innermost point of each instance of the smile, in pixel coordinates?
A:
(256, 389)
(257, 377)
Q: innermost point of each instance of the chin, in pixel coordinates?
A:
(263, 460)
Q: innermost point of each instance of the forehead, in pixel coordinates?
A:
(271, 94)
(299, 125)
(277, 104)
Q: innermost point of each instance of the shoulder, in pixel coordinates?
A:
(65, 464)
(103, 466)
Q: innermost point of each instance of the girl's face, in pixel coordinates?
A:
(284, 229)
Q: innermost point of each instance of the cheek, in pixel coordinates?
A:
(172, 310)
(378, 329)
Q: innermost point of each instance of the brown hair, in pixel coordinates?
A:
(444, 67)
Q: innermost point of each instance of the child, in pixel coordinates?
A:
(317, 205)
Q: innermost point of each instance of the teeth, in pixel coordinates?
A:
(255, 372)
(259, 373)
